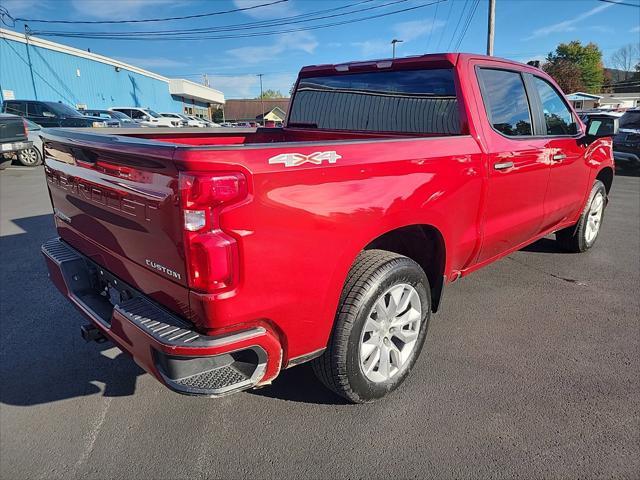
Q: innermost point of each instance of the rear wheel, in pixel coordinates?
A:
(583, 235)
(379, 329)
(29, 157)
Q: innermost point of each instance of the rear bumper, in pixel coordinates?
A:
(14, 146)
(160, 342)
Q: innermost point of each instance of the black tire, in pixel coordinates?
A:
(4, 162)
(373, 273)
(575, 239)
(29, 157)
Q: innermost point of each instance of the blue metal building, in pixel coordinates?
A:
(36, 69)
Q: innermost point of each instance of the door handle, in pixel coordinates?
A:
(502, 165)
(558, 157)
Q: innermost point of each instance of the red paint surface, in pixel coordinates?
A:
(300, 229)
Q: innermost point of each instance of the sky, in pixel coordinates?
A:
(525, 30)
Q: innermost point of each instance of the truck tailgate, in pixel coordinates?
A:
(116, 200)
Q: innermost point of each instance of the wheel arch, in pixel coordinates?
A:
(605, 175)
(425, 245)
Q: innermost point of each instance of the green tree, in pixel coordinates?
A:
(566, 74)
(588, 59)
(270, 94)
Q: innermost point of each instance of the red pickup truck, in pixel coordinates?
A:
(217, 259)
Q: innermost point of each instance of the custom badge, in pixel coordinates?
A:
(297, 159)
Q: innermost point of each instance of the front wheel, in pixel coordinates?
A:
(29, 157)
(583, 235)
(379, 328)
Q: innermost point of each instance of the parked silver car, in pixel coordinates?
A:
(32, 156)
(124, 120)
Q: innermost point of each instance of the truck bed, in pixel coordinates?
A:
(222, 136)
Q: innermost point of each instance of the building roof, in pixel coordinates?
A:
(182, 87)
(621, 96)
(251, 109)
(583, 96)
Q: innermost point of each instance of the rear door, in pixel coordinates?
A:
(117, 202)
(42, 115)
(569, 176)
(518, 169)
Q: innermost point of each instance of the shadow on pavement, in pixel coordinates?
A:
(544, 245)
(43, 358)
(299, 384)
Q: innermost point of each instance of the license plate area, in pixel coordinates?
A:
(105, 292)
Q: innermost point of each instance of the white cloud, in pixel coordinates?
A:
(241, 86)
(567, 25)
(300, 41)
(154, 62)
(635, 30)
(118, 9)
(408, 32)
(248, 86)
(281, 82)
(411, 30)
(277, 10)
(374, 48)
(24, 8)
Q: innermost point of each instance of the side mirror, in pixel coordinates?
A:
(145, 118)
(600, 126)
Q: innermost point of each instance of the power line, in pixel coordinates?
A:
(463, 32)
(239, 26)
(237, 35)
(147, 20)
(637, 5)
(433, 24)
(446, 22)
(464, 7)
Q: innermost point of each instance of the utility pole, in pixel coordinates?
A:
(27, 33)
(491, 26)
(393, 46)
(261, 98)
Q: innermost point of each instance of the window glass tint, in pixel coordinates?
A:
(137, 114)
(62, 109)
(37, 110)
(16, 108)
(557, 116)
(410, 101)
(506, 101)
(630, 120)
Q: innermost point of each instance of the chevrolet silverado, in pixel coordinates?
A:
(219, 258)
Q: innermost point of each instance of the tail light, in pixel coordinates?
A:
(212, 254)
(26, 126)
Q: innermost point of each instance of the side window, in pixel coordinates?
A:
(557, 116)
(506, 102)
(34, 109)
(16, 108)
(136, 114)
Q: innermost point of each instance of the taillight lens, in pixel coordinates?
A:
(212, 254)
(26, 126)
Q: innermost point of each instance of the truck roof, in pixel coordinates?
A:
(415, 61)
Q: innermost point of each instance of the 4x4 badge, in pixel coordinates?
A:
(297, 159)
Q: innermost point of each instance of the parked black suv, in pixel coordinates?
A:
(626, 144)
(53, 114)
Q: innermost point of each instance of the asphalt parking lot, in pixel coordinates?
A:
(531, 370)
